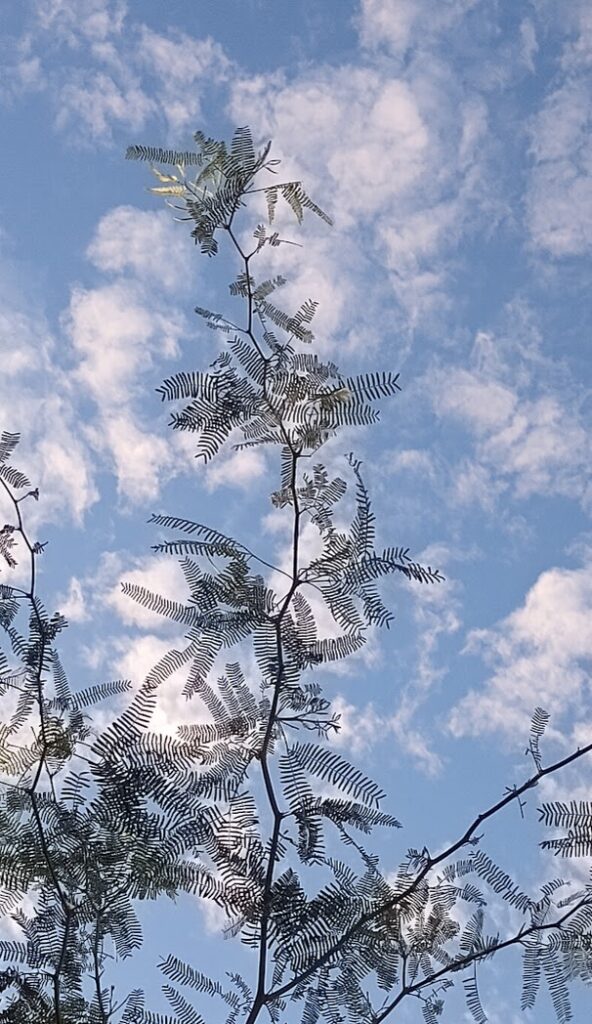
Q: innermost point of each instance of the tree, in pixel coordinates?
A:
(253, 808)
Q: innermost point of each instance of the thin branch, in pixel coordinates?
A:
(430, 862)
(461, 963)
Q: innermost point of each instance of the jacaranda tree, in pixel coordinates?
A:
(253, 808)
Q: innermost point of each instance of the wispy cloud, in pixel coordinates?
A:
(77, 20)
(524, 415)
(36, 401)
(436, 615)
(72, 604)
(559, 200)
(92, 103)
(103, 70)
(559, 195)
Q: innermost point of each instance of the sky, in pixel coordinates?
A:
(450, 143)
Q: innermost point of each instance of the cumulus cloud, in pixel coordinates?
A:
(146, 243)
(117, 334)
(360, 728)
(158, 574)
(399, 163)
(66, 473)
(236, 469)
(354, 123)
(540, 448)
(485, 404)
(181, 65)
(399, 24)
(140, 638)
(540, 654)
(142, 460)
(134, 657)
(405, 145)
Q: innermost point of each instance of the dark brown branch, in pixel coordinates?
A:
(472, 958)
(430, 862)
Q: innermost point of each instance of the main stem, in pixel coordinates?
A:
(277, 815)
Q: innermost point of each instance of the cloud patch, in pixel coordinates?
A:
(540, 654)
(145, 243)
(559, 194)
(528, 437)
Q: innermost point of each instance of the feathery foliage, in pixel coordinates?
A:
(330, 934)
(250, 808)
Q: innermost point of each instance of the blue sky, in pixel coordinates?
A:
(450, 142)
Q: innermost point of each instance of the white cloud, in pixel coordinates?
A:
(236, 469)
(351, 124)
(400, 165)
(72, 604)
(95, 102)
(387, 22)
(540, 655)
(66, 470)
(116, 72)
(180, 59)
(483, 403)
(180, 63)
(117, 333)
(94, 20)
(149, 244)
(559, 195)
(528, 436)
(413, 460)
(399, 24)
(543, 448)
(156, 573)
(529, 44)
(436, 612)
(382, 144)
(472, 484)
(215, 918)
(134, 657)
(573, 24)
(142, 460)
(36, 401)
(360, 729)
